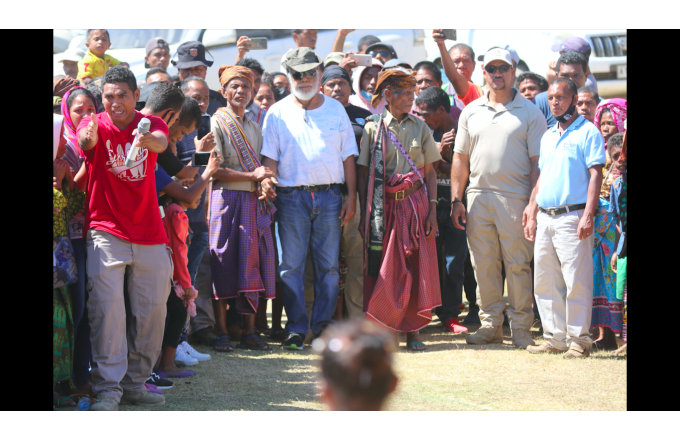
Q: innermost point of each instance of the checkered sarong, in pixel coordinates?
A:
(241, 251)
(402, 297)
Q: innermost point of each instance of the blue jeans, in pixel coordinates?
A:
(199, 243)
(82, 349)
(304, 218)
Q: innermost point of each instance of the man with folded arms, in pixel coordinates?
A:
(309, 143)
(560, 219)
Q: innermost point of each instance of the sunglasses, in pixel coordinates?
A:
(297, 76)
(383, 53)
(492, 69)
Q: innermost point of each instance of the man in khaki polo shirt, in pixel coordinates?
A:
(497, 146)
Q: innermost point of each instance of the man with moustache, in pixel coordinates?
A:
(335, 83)
(309, 143)
(192, 62)
(572, 65)
(560, 218)
(458, 64)
(587, 102)
(497, 147)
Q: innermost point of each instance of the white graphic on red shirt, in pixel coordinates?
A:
(117, 163)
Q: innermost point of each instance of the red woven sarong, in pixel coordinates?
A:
(403, 296)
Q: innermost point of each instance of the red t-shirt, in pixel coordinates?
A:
(122, 201)
(473, 92)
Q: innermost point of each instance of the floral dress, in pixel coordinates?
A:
(71, 202)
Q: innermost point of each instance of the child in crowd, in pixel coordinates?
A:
(619, 202)
(607, 309)
(96, 62)
(176, 200)
(356, 367)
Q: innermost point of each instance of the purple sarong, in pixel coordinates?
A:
(241, 249)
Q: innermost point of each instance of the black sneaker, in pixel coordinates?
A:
(161, 384)
(294, 341)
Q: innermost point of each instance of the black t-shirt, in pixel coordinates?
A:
(170, 163)
(443, 181)
(357, 116)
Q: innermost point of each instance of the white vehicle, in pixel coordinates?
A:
(128, 45)
(607, 60)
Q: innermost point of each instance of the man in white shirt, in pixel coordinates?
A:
(309, 143)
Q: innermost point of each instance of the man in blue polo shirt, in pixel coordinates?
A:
(563, 207)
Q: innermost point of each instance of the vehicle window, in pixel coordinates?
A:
(134, 38)
(254, 33)
(281, 33)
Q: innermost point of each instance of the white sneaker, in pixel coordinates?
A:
(191, 351)
(182, 356)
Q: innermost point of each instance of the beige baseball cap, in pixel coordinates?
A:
(333, 57)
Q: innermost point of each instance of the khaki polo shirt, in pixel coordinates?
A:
(500, 144)
(227, 150)
(413, 134)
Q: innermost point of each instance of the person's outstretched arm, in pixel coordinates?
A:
(460, 84)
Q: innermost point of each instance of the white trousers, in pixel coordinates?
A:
(563, 279)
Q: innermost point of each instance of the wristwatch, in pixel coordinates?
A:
(454, 201)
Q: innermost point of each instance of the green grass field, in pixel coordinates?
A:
(450, 375)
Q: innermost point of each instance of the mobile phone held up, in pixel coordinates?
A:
(256, 43)
(361, 59)
(450, 34)
(200, 159)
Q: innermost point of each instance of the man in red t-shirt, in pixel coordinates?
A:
(458, 67)
(124, 231)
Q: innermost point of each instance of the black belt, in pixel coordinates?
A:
(558, 211)
(314, 188)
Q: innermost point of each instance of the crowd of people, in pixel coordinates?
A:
(338, 192)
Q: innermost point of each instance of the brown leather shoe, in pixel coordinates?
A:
(545, 347)
(577, 350)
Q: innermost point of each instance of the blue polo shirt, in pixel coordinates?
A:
(564, 163)
(541, 101)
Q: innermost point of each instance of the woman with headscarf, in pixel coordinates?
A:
(77, 104)
(397, 193)
(66, 203)
(241, 245)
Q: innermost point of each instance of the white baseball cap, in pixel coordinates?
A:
(498, 54)
(72, 54)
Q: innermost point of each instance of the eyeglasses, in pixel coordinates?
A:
(492, 69)
(383, 53)
(297, 76)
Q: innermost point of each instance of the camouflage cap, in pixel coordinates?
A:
(302, 59)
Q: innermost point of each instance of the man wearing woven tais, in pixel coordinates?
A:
(398, 199)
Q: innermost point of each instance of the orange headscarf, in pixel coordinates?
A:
(227, 73)
(397, 78)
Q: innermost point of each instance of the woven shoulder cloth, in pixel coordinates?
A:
(246, 155)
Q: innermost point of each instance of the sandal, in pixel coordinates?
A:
(260, 345)
(228, 347)
(262, 329)
(415, 346)
(278, 335)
